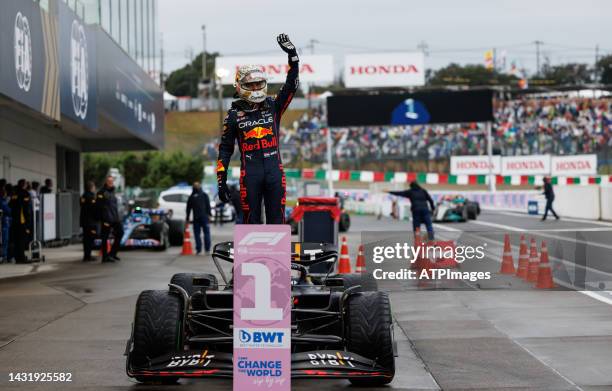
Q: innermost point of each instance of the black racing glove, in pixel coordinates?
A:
(288, 47)
(224, 193)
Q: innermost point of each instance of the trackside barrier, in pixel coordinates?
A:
(605, 197)
(596, 201)
(578, 201)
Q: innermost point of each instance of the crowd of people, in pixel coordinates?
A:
(18, 204)
(560, 126)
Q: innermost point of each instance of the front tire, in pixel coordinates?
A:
(157, 331)
(369, 333)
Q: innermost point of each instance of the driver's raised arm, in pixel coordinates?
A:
(288, 89)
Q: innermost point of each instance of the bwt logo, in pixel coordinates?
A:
(261, 337)
(253, 338)
(23, 52)
(269, 238)
(79, 76)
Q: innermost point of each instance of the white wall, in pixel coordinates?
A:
(577, 201)
(605, 195)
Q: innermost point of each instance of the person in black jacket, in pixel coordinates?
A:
(254, 122)
(108, 213)
(550, 197)
(88, 220)
(420, 200)
(199, 203)
(21, 227)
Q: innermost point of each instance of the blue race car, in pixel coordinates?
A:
(145, 228)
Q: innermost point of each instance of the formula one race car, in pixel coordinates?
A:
(456, 208)
(145, 228)
(341, 326)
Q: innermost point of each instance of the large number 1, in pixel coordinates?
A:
(410, 113)
(263, 291)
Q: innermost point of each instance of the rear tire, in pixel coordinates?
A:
(345, 222)
(157, 330)
(367, 282)
(369, 333)
(175, 232)
(185, 281)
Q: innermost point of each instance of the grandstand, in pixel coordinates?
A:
(523, 126)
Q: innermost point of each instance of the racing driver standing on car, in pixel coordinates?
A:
(254, 120)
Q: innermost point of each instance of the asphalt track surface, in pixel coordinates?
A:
(505, 336)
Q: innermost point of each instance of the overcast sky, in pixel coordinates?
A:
(454, 30)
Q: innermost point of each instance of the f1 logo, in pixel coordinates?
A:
(269, 238)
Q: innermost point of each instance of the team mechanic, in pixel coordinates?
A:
(254, 120)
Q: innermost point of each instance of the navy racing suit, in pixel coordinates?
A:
(256, 127)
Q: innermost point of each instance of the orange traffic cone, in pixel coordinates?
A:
(523, 262)
(545, 278)
(360, 266)
(187, 249)
(108, 248)
(344, 264)
(534, 262)
(507, 266)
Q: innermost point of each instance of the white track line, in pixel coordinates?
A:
(446, 228)
(540, 233)
(571, 220)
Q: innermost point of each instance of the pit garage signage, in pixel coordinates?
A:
(475, 165)
(28, 56)
(314, 69)
(384, 70)
(262, 307)
(526, 165)
(574, 165)
(78, 87)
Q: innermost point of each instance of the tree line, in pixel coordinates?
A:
(145, 169)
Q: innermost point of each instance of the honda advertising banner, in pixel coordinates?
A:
(262, 307)
(526, 165)
(28, 58)
(474, 165)
(384, 70)
(574, 165)
(314, 69)
(126, 94)
(78, 87)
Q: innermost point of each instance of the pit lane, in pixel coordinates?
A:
(77, 318)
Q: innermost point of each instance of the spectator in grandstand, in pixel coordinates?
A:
(420, 200)
(550, 197)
